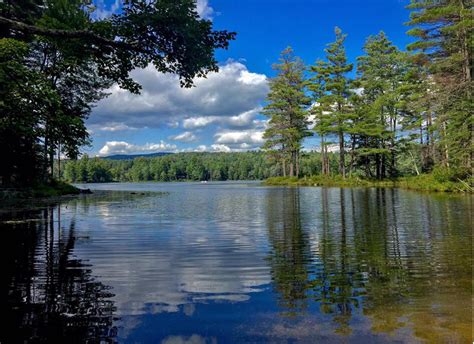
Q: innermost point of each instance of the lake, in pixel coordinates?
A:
(238, 262)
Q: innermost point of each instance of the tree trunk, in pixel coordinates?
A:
(392, 148)
(51, 162)
(297, 164)
(292, 166)
(342, 163)
(283, 165)
(45, 161)
(326, 160)
(351, 166)
(466, 61)
(324, 167)
(446, 150)
(59, 161)
(377, 166)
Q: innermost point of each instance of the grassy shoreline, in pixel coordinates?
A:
(53, 189)
(425, 182)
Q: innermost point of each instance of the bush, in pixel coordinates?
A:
(444, 174)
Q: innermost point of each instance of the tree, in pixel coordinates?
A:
(444, 44)
(333, 89)
(70, 59)
(316, 84)
(287, 102)
(385, 77)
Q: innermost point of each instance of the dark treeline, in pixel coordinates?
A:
(57, 59)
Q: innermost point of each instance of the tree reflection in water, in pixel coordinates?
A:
(361, 253)
(46, 294)
(290, 256)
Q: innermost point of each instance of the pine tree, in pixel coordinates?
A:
(334, 98)
(384, 79)
(321, 117)
(444, 32)
(287, 102)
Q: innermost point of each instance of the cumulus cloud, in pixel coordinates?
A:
(111, 127)
(122, 147)
(244, 120)
(239, 137)
(186, 136)
(199, 122)
(231, 92)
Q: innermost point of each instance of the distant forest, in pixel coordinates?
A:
(198, 166)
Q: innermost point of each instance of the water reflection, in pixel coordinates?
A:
(46, 294)
(240, 263)
(403, 263)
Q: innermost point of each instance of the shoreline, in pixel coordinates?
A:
(422, 183)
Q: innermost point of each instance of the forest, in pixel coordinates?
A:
(199, 167)
(390, 114)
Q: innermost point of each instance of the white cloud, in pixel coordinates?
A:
(238, 137)
(245, 119)
(204, 10)
(122, 147)
(220, 148)
(198, 122)
(194, 339)
(251, 78)
(229, 93)
(186, 136)
(113, 127)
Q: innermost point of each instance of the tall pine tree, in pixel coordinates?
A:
(335, 93)
(287, 103)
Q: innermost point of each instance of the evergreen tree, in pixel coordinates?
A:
(321, 117)
(287, 102)
(444, 32)
(334, 92)
(384, 77)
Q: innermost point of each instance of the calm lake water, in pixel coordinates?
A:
(238, 262)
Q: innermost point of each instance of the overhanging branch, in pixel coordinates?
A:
(81, 34)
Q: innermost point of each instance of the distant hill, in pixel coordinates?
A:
(133, 156)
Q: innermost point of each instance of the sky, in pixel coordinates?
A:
(222, 111)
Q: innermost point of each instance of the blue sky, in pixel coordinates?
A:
(222, 112)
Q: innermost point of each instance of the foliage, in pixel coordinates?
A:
(56, 61)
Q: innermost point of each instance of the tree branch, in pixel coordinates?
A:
(82, 34)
